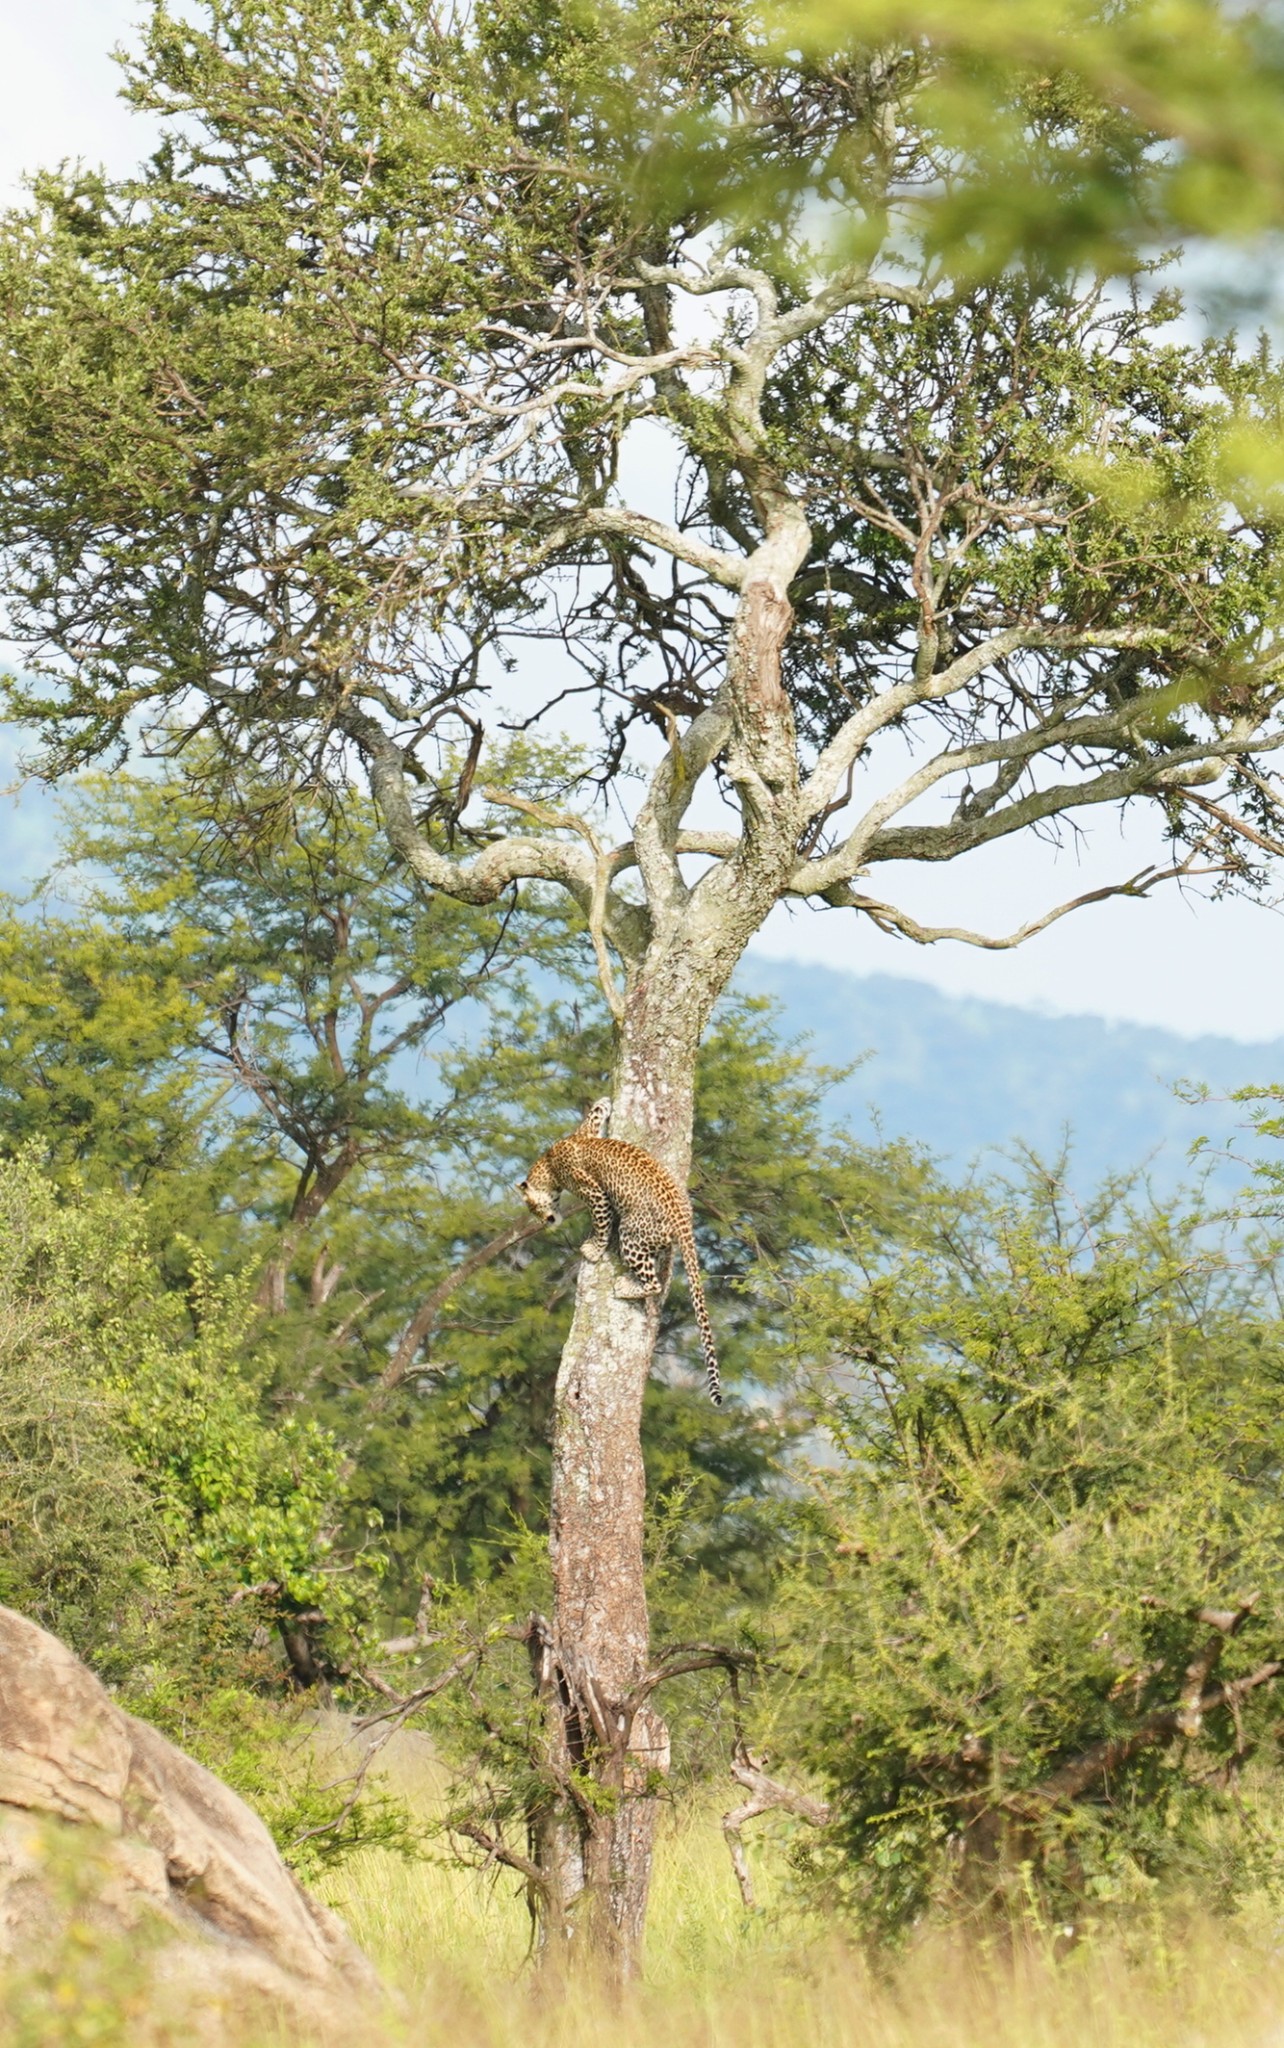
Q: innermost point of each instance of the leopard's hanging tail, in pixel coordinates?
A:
(687, 1246)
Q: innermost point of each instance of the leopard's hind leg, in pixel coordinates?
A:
(594, 1248)
(650, 1275)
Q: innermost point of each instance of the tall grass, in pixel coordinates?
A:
(453, 1945)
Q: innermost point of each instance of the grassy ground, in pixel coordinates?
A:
(453, 1944)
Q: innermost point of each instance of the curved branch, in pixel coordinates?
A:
(765, 1795)
(898, 922)
(486, 876)
(591, 522)
(850, 741)
(1175, 772)
(572, 821)
(422, 1321)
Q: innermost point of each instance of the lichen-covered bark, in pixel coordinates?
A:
(596, 1848)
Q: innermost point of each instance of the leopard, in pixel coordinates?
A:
(628, 1191)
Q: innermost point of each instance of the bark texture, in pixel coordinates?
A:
(609, 1747)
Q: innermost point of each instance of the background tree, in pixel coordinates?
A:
(146, 1495)
(315, 973)
(431, 1363)
(326, 414)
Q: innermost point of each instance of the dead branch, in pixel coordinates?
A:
(683, 1658)
(1224, 1623)
(403, 1707)
(498, 1851)
(427, 1313)
(899, 924)
(765, 1795)
(571, 821)
(1239, 826)
(1154, 1730)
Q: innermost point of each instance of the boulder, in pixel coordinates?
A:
(178, 1865)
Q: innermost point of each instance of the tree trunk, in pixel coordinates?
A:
(609, 1752)
(608, 1746)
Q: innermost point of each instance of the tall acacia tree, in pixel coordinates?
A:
(622, 334)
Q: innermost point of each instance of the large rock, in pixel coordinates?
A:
(176, 1857)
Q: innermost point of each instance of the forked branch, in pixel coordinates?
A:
(765, 1796)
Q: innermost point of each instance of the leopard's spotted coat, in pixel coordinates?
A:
(626, 1189)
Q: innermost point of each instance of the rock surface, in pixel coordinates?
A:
(176, 1857)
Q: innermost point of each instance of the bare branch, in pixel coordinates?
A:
(486, 876)
(498, 1851)
(898, 922)
(684, 1658)
(1239, 826)
(571, 821)
(425, 1316)
(765, 1795)
(872, 840)
(834, 762)
(589, 522)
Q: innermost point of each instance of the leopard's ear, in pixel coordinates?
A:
(520, 1186)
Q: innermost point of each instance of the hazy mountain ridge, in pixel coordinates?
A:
(966, 1077)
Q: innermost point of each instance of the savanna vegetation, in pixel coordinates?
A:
(800, 406)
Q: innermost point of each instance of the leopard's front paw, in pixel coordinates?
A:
(592, 1251)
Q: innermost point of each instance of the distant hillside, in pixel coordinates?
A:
(966, 1077)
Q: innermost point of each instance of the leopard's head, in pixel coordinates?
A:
(539, 1195)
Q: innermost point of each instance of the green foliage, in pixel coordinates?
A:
(255, 986)
(1050, 115)
(310, 1029)
(151, 1513)
(98, 1067)
(356, 207)
(1049, 1539)
(301, 1780)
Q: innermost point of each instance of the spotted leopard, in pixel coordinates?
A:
(625, 1189)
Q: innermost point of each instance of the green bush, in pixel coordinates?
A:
(149, 1513)
(1042, 1602)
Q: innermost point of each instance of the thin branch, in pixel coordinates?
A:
(684, 1658)
(1240, 826)
(607, 522)
(900, 924)
(498, 1851)
(430, 1308)
(850, 741)
(602, 871)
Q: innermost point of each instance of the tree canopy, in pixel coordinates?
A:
(384, 367)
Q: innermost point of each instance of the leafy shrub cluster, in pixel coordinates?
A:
(1040, 1613)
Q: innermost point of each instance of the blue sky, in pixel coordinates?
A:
(1188, 964)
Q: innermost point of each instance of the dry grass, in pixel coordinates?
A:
(453, 1943)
